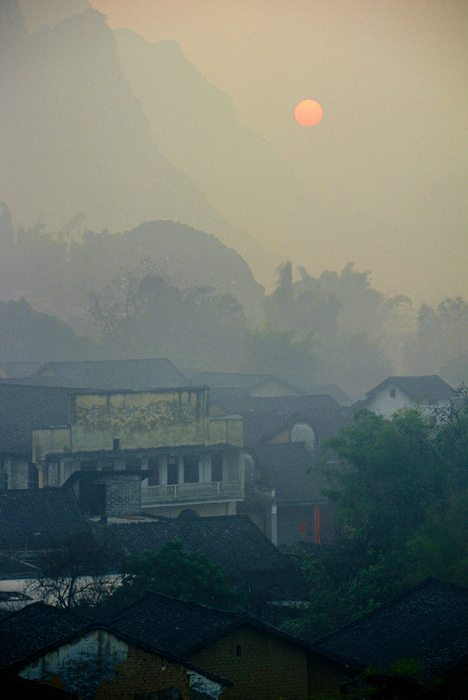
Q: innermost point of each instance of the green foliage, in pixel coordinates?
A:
(440, 340)
(176, 573)
(383, 492)
(145, 315)
(402, 502)
(343, 314)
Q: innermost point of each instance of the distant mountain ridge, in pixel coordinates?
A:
(196, 127)
(70, 269)
(107, 125)
(74, 139)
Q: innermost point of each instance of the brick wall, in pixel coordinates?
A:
(100, 666)
(145, 677)
(263, 667)
(123, 494)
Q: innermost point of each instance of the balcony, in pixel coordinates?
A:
(190, 493)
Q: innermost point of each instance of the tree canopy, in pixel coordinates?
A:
(176, 573)
(401, 498)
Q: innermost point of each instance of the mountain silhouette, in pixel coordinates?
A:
(196, 127)
(74, 139)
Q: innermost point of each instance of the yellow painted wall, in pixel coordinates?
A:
(226, 431)
(268, 668)
(48, 441)
(102, 665)
(139, 419)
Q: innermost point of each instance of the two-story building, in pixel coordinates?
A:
(124, 451)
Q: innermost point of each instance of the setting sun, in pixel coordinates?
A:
(308, 112)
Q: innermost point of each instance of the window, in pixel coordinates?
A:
(154, 478)
(5, 481)
(172, 471)
(191, 470)
(392, 393)
(116, 444)
(33, 476)
(217, 467)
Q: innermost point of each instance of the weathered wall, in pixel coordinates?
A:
(48, 441)
(323, 678)
(101, 666)
(139, 419)
(226, 431)
(267, 668)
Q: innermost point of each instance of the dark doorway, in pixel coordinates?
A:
(191, 470)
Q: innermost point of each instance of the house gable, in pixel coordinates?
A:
(266, 667)
(82, 657)
(100, 662)
(263, 662)
(397, 393)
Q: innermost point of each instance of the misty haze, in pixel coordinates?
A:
(233, 348)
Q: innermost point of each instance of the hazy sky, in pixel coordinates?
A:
(386, 168)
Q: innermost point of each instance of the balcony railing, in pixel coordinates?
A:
(183, 493)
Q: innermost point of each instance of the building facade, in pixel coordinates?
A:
(186, 459)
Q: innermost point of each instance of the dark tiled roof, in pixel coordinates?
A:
(258, 426)
(231, 401)
(332, 390)
(236, 380)
(112, 374)
(23, 408)
(263, 417)
(232, 542)
(269, 415)
(423, 388)
(428, 624)
(167, 623)
(26, 634)
(184, 628)
(18, 369)
(292, 471)
(325, 415)
(37, 519)
(34, 627)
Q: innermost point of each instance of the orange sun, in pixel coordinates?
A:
(308, 112)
